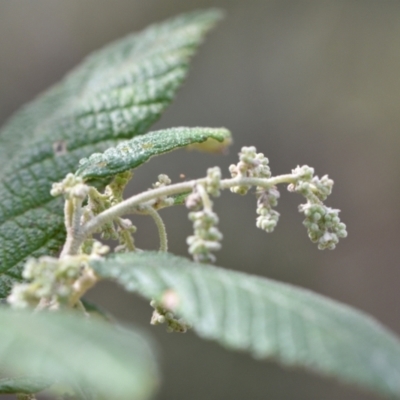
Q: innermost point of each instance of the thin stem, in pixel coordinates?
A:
(76, 216)
(68, 213)
(205, 198)
(131, 204)
(162, 232)
(128, 205)
(73, 214)
(147, 198)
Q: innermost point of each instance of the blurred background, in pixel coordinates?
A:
(307, 82)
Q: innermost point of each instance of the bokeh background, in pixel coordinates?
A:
(315, 82)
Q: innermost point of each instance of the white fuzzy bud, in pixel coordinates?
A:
(213, 181)
(70, 186)
(206, 236)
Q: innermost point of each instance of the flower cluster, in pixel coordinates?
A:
(52, 282)
(252, 165)
(310, 186)
(162, 201)
(96, 204)
(125, 232)
(213, 181)
(266, 199)
(162, 315)
(207, 237)
(120, 229)
(71, 187)
(323, 223)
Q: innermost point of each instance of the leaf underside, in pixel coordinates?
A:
(109, 361)
(132, 153)
(116, 94)
(267, 318)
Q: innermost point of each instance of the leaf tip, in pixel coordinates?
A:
(215, 144)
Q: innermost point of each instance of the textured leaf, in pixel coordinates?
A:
(116, 94)
(267, 318)
(134, 152)
(115, 362)
(23, 384)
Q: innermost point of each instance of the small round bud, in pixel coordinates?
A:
(70, 186)
(316, 216)
(80, 191)
(125, 223)
(193, 201)
(164, 179)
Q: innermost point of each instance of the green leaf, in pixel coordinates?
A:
(266, 318)
(23, 384)
(116, 94)
(97, 357)
(134, 152)
(180, 198)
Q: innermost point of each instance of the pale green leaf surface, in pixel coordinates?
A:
(117, 363)
(267, 318)
(117, 93)
(132, 153)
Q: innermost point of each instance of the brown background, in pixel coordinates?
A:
(314, 82)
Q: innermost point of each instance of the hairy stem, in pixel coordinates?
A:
(205, 198)
(72, 243)
(68, 213)
(73, 214)
(162, 232)
(149, 197)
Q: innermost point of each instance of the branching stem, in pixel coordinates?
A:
(148, 198)
(205, 198)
